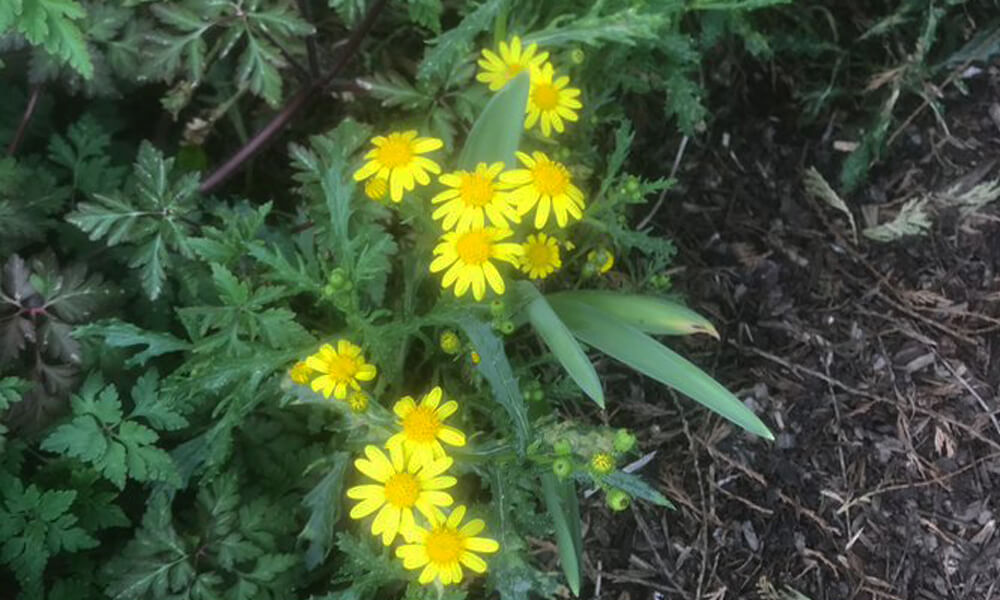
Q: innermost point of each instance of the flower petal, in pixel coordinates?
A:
(483, 545)
(473, 562)
(451, 436)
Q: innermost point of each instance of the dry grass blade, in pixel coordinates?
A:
(817, 187)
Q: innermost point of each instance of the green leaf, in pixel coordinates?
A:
(150, 405)
(119, 334)
(636, 487)
(561, 342)
(560, 499)
(84, 152)
(627, 26)
(51, 25)
(323, 503)
(649, 314)
(393, 90)
(496, 135)
(495, 368)
(451, 46)
(644, 354)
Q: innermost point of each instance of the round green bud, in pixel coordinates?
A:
(562, 467)
(538, 395)
(507, 327)
(337, 278)
(624, 441)
(562, 448)
(450, 342)
(497, 308)
(632, 185)
(526, 394)
(328, 290)
(618, 500)
(577, 55)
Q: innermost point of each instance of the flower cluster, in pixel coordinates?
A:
(481, 210)
(409, 485)
(335, 372)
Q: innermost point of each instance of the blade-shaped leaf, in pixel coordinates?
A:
(623, 342)
(650, 314)
(563, 506)
(497, 132)
(561, 342)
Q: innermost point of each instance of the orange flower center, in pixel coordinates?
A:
(551, 178)
(421, 425)
(342, 368)
(444, 546)
(402, 490)
(395, 152)
(474, 247)
(545, 96)
(476, 190)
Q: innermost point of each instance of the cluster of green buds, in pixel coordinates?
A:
(661, 282)
(336, 283)
(532, 391)
(501, 317)
(599, 465)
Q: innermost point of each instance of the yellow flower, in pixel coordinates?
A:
(300, 373)
(395, 158)
(545, 184)
(342, 368)
(377, 188)
(423, 427)
(358, 402)
(445, 547)
(497, 71)
(550, 101)
(541, 256)
(467, 257)
(402, 486)
(473, 200)
(474, 357)
(602, 259)
(602, 463)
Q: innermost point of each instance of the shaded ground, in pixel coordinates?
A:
(876, 365)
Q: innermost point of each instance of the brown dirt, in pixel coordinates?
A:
(876, 365)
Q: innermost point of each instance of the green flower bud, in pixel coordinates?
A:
(450, 342)
(602, 463)
(618, 500)
(562, 467)
(337, 278)
(497, 308)
(562, 448)
(632, 185)
(624, 441)
(507, 327)
(538, 395)
(577, 55)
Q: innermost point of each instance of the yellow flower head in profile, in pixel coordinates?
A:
(497, 71)
(423, 427)
(443, 549)
(544, 185)
(402, 485)
(601, 259)
(550, 101)
(377, 188)
(300, 373)
(341, 369)
(541, 256)
(473, 200)
(468, 259)
(358, 401)
(396, 158)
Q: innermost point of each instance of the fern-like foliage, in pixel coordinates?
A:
(53, 25)
(153, 216)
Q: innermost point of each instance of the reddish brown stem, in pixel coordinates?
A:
(29, 110)
(293, 106)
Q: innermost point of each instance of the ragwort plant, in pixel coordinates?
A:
(357, 397)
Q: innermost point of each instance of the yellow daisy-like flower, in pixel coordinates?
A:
(497, 71)
(602, 259)
(402, 486)
(358, 401)
(602, 463)
(550, 101)
(423, 427)
(545, 184)
(341, 368)
(473, 200)
(396, 158)
(443, 549)
(541, 256)
(468, 259)
(300, 373)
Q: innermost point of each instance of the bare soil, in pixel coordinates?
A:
(877, 366)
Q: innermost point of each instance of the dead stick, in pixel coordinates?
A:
(29, 110)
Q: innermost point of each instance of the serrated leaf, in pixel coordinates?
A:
(151, 406)
(323, 503)
(627, 26)
(119, 334)
(450, 46)
(51, 25)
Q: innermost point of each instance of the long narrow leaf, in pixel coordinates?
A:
(623, 342)
(554, 492)
(650, 314)
(496, 134)
(496, 369)
(561, 342)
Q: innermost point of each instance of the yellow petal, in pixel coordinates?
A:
(424, 145)
(433, 398)
(472, 528)
(456, 516)
(439, 483)
(483, 545)
(363, 492)
(451, 436)
(367, 171)
(446, 410)
(428, 574)
(473, 562)
(404, 407)
(365, 508)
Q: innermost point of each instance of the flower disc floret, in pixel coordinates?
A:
(545, 186)
(541, 256)
(401, 486)
(467, 259)
(340, 369)
(396, 158)
(423, 429)
(497, 71)
(473, 200)
(443, 549)
(550, 101)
